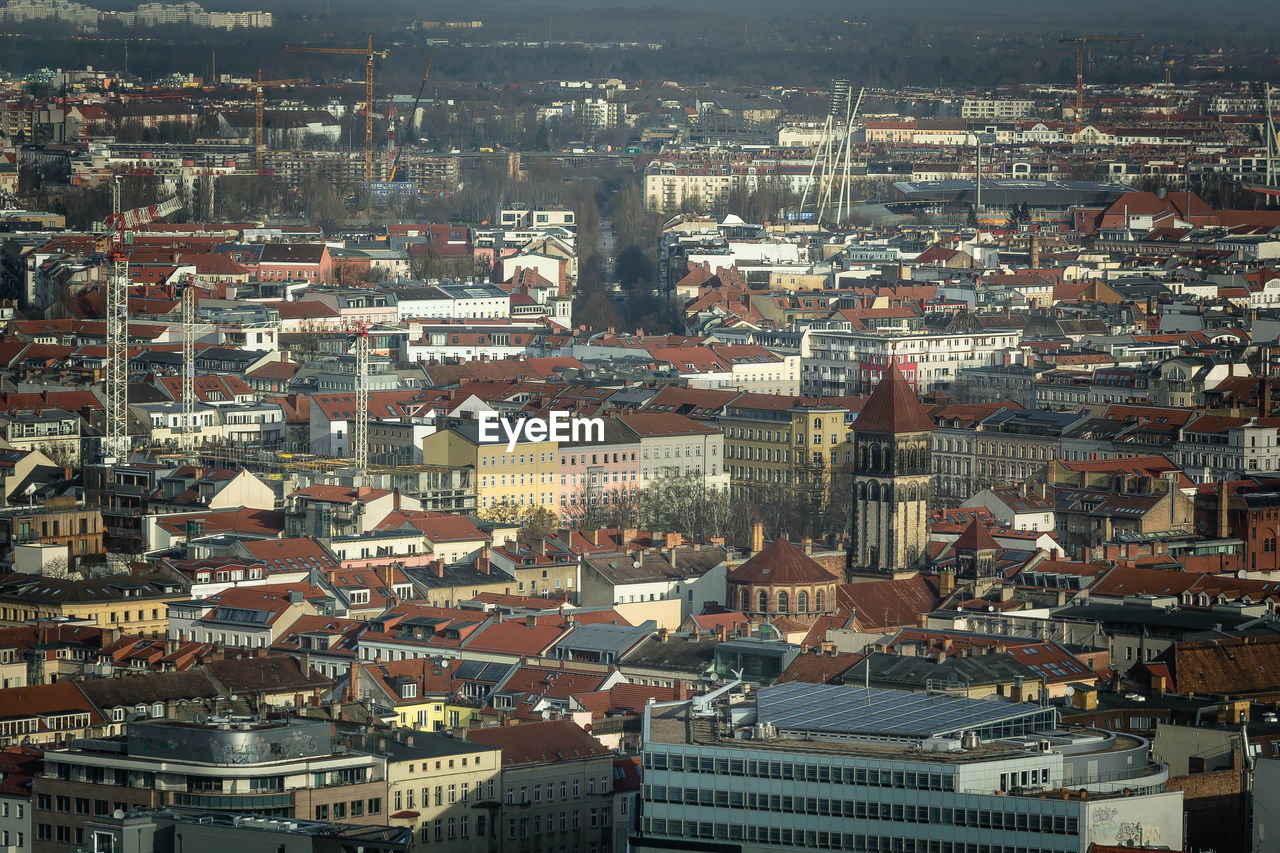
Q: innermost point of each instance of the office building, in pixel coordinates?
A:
(825, 767)
(270, 769)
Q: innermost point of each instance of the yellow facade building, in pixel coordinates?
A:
(792, 443)
(134, 605)
(526, 476)
(436, 785)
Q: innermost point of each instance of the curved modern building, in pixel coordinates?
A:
(826, 767)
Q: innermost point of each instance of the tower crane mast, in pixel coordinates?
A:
(259, 143)
(360, 431)
(370, 54)
(1081, 41)
(119, 227)
(189, 296)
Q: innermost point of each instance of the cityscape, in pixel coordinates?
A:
(595, 428)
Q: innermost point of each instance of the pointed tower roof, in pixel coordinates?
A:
(781, 562)
(893, 407)
(976, 538)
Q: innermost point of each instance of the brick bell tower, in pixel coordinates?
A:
(892, 480)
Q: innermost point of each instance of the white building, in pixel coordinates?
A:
(838, 361)
(823, 767)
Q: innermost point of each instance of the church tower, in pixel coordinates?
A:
(892, 480)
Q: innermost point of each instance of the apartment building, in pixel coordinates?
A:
(594, 474)
(1000, 109)
(136, 604)
(272, 769)
(527, 476)
(1013, 445)
(837, 360)
(673, 445)
(438, 786)
(557, 787)
(821, 767)
(1213, 447)
(785, 442)
(61, 522)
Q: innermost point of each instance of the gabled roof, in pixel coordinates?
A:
(540, 743)
(893, 407)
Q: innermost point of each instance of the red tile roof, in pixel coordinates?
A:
(540, 743)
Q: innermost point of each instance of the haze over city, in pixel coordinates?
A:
(591, 427)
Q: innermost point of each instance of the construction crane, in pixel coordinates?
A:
(259, 143)
(1081, 41)
(408, 122)
(189, 297)
(120, 227)
(360, 432)
(370, 54)
(1168, 73)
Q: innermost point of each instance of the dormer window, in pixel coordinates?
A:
(408, 690)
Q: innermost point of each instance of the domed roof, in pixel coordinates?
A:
(781, 563)
(893, 407)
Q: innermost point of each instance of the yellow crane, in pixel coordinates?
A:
(370, 54)
(258, 86)
(1081, 41)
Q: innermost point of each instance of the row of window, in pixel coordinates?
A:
(455, 827)
(800, 771)
(863, 810)
(784, 602)
(443, 794)
(567, 791)
(568, 821)
(821, 839)
(355, 808)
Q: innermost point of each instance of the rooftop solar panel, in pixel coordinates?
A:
(855, 710)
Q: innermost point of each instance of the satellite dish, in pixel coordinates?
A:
(118, 814)
(635, 564)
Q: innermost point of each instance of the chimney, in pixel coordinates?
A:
(807, 545)
(352, 693)
(437, 568)
(628, 534)
(306, 663)
(482, 562)
(946, 584)
(531, 620)
(1035, 251)
(673, 540)
(1055, 555)
(1224, 504)
(757, 537)
(594, 537)
(388, 576)
(1265, 411)
(663, 635)
(722, 633)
